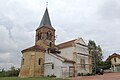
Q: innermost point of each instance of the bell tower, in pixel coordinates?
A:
(33, 58)
(45, 33)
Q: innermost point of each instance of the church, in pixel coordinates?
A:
(45, 58)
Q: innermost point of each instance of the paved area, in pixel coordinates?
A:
(105, 76)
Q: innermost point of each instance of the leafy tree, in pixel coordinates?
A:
(9, 73)
(13, 71)
(96, 53)
(105, 65)
(95, 50)
(2, 73)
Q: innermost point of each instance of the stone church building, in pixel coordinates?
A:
(45, 58)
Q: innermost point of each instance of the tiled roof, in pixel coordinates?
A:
(112, 56)
(34, 48)
(71, 43)
(66, 44)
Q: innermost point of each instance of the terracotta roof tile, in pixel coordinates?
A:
(34, 48)
(66, 44)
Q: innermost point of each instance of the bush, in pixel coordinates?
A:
(88, 74)
(78, 74)
(52, 75)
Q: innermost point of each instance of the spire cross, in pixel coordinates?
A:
(46, 4)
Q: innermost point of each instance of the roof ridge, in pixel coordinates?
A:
(67, 42)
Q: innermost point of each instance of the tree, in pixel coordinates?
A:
(95, 50)
(13, 71)
(96, 53)
(2, 73)
(9, 73)
(105, 64)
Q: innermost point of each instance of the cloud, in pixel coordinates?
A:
(110, 9)
(11, 48)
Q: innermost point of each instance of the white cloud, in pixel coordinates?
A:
(6, 42)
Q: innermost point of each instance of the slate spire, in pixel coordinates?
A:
(46, 20)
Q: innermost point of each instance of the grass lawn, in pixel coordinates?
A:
(37, 78)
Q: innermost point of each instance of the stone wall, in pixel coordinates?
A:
(30, 66)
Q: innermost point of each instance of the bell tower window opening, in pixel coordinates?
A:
(39, 35)
(47, 35)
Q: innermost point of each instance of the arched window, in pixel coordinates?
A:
(47, 35)
(39, 61)
(40, 35)
(50, 36)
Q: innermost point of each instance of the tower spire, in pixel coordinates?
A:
(46, 19)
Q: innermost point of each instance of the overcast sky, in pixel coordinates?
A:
(97, 20)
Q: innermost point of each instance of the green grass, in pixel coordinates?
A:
(37, 78)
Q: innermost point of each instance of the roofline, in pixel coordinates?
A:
(45, 27)
(112, 56)
(67, 41)
(70, 45)
(82, 44)
(85, 54)
(29, 49)
(60, 58)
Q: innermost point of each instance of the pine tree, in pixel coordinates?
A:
(96, 53)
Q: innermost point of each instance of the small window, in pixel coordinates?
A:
(47, 35)
(50, 44)
(115, 59)
(52, 66)
(39, 61)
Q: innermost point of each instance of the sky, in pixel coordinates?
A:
(97, 20)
